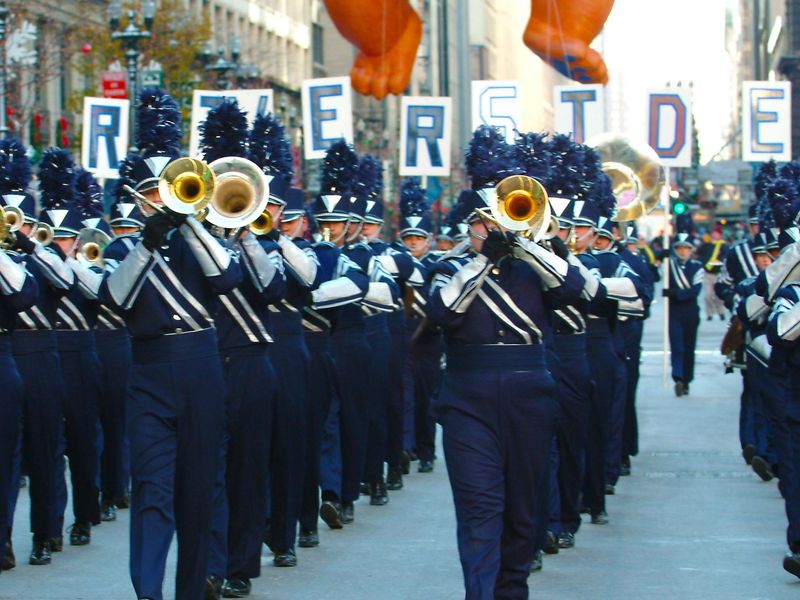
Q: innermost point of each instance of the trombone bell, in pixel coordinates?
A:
(240, 194)
(186, 186)
(12, 217)
(90, 245)
(263, 223)
(520, 203)
(43, 234)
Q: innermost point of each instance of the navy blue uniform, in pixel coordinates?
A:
(686, 281)
(497, 408)
(292, 362)
(175, 421)
(36, 352)
(242, 320)
(18, 291)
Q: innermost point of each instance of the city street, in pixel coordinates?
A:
(692, 522)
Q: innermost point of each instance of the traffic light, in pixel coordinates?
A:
(679, 208)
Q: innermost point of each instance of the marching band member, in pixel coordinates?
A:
(496, 406)
(18, 291)
(166, 288)
(409, 274)
(271, 150)
(685, 285)
(36, 351)
(243, 326)
(76, 315)
(425, 354)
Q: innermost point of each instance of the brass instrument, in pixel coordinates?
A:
(240, 195)
(43, 234)
(519, 203)
(90, 245)
(636, 173)
(262, 224)
(186, 186)
(326, 234)
(552, 228)
(11, 220)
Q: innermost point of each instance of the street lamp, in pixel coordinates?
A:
(3, 115)
(222, 67)
(131, 36)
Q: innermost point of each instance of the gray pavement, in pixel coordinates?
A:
(692, 522)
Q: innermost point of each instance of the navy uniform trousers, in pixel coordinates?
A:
(10, 414)
(632, 331)
(291, 360)
(425, 356)
(36, 354)
(114, 351)
(616, 414)
(241, 491)
(320, 390)
(497, 410)
(603, 364)
(684, 319)
(378, 373)
(349, 349)
(81, 370)
(396, 408)
(574, 402)
(766, 390)
(792, 481)
(176, 416)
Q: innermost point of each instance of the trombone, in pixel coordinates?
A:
(186, 187)
(519, 203)
(91, 244)
(43, 233)
(11, 220)
(240, 197)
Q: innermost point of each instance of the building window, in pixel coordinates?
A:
(316, 43)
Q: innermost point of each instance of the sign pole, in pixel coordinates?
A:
(665, 264)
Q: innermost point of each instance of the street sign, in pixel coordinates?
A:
(153, 78)
(114, 84)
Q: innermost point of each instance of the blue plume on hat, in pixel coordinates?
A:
(158, 123)
(339, 169)
(224, 132)
(790, 171)
(603, 195)
(413, 198)
(532, 154)
(489, 159)
(15, 166)
(126, 177)
(565, 167)
(270, 148)
(57, 178)
(784, 201)
(90, 194)
(370, 177)
(766, 173)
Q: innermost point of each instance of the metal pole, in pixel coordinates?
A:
(132, 56)
(665, 264)
(3, 115)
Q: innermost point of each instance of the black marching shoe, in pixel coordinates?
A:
(238, 587)
(425, 466)
(791, 563)
(625, 467)
(394, 479)
(406, 466)
(610, 489)
(536, 565)
(285, 559)
(308, 539)
(9, 560)
(378, 495)
(56, 543)
(213, 589)
(348, 513)
(123, 501)
(748, 453)
(685, 389)
(80, 534)
(551, 544)
(331, 513)
(680, 388)
(40, 554)
(600, 518)
(566, 540)
(762, 468)
(109, 513)
(365, 491)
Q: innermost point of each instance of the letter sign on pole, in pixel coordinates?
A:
(105, 135)
(425, 135)
(579, 110)
(766, 121)
(327, 114)
(669, 126)
(497, 103)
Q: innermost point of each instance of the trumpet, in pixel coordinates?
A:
(43, 234)
(262, 224)
(519, 203)
(240, 195)
(91, 244)
(11, 220)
